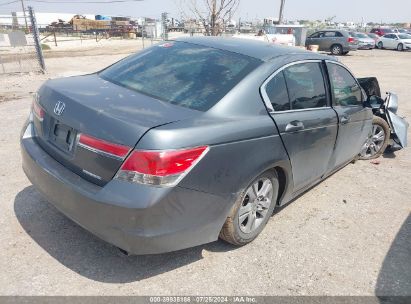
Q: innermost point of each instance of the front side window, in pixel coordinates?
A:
(345, 88)
(181, 73)
(305, 84)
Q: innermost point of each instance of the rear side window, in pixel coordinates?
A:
(316, 35)
(276, 90)
(345, 89)
(305, 85)
(184, 74)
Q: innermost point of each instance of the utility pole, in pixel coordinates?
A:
(280, 17)
(36, 37)
(214, 18)
(164, 26)
(24, 13)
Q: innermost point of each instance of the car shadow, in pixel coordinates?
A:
(84, 253)
(394, 278)
(389, 153)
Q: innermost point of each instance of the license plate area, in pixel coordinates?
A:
(62, 136)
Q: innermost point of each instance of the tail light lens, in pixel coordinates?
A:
(160, 168)
(37, 109)
(351, 40)
(103, 147)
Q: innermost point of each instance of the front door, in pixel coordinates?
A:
(354, 120)
(314, 39)
(306, 122)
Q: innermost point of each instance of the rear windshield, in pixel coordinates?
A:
(360, 35)
(181, 73)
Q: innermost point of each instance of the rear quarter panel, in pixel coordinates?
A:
(240, 149)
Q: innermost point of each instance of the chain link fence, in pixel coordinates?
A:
(20, 49)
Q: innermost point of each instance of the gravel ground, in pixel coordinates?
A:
(350, 235)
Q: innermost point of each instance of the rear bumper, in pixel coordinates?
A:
(137, 218)
(366, 46)
(351, 47)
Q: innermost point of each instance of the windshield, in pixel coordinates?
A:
(181, 73)
(404, 36)
(361, 35)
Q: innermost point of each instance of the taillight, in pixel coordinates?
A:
(37, 109)
(160, 168)
(351, 40)
(103, 147)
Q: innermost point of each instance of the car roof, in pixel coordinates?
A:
(332, 30)
(253, 48)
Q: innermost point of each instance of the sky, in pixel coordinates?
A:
(347, 10)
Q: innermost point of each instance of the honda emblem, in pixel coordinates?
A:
(59, 108)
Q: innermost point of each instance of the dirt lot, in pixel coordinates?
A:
(350, 235)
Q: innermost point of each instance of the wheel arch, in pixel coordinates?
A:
(284, 174)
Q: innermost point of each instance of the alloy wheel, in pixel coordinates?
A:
(336, 50)
(374, 143)
(255, 205)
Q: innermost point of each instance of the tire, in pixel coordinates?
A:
(336, 49)
(400, 47)
(235, 228)
(380, 45)
(376, 145)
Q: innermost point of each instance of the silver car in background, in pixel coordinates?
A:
(365, 42)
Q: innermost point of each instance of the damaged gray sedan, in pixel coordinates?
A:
(196, 139)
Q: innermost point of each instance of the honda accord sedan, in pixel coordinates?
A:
(192, 140)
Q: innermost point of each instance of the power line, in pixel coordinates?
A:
(72, 2)
(10, 2)
(81, 2)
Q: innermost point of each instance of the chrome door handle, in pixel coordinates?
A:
(345, 120)
(294, 126)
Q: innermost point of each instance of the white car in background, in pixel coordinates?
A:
(396, 41)
(282, 39)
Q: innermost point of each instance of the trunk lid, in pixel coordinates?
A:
(96, 107)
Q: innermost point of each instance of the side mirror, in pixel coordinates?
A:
(374, 102)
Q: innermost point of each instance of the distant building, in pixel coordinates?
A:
(43, 19)
(270, 20)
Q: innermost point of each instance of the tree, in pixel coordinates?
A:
(213, 14)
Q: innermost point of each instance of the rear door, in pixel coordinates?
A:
(329, 39)
(354, 120)
(307, 124)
